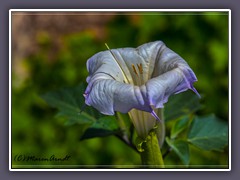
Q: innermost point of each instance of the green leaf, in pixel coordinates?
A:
(107, 123)
(208, 133)
(104, 126)
(179, 126)
(180, 105)
(70, 103)
(95, 132)
(73, 118)
(181, 148)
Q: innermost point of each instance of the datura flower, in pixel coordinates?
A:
(137, 81)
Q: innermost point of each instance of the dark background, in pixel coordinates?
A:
(50, 50)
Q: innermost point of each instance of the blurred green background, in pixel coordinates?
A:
(49, 51)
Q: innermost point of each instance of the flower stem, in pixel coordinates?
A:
(151, 154)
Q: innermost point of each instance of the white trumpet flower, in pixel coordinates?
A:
(137, 81)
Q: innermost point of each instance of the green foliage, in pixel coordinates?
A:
(106, 122)
(208, 133)
(179, 126)
(71, 105)
(181, 148)
(104, 126)
(70, 102)
(177, 105)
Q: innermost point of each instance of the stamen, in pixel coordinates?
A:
(140, 68)
(134, 69)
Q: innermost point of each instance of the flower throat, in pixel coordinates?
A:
(137, 75)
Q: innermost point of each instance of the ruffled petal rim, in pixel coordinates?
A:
(167, 73)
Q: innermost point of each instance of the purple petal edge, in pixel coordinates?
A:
(156, 116)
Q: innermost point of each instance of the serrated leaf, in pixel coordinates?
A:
(180, 105)
(69, 102)
(179, 126)
(208, 133)
(181, 148)
(62, 100)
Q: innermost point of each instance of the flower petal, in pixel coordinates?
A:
(123, 58)
(112, 83)
(109, 95)
(171, 82)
